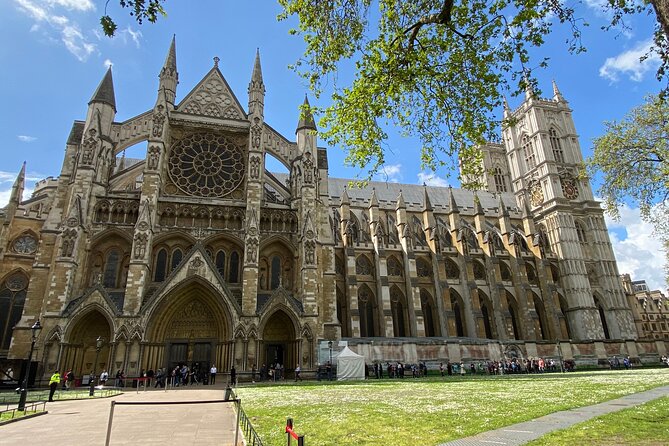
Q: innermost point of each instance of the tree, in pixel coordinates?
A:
(139, 9)
(633, 156)
(436, 69)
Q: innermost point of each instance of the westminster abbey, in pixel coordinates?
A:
(198, 254)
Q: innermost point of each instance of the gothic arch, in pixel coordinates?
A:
(459, 326)
(430, 314)
(487, 315)
(513, 316)
(542, 329)
(80, 337)
(400, 312)
(367, 307)
(343, 313)
(162, 311)
(280, 330)
(601, 309)
(83, 313)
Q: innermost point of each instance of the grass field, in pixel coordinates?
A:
(647, 424)
(428, 411)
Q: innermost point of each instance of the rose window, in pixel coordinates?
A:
(206, 165)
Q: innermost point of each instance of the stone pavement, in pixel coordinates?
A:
(521, 433)
(84, 422)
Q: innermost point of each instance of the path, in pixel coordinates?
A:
(521, 433)
(84, 422)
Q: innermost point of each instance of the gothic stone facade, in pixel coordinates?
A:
(197, 253)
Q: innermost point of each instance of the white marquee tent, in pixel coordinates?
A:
(350, 365)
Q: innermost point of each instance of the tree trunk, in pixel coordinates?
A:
(661, 8)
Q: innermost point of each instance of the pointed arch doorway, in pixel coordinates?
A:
(191, 327)
(279, 340)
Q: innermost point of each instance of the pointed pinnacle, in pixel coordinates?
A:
(344, 199)
(427, 204)
(257, 69)
(373, 201)
(171, 58)
(478, 209)
(451, 201)
(19, 185)
(503, 211)
(400, 201)
(105, 91)
(306, 118)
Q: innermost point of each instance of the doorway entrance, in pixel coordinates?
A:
(275, 354)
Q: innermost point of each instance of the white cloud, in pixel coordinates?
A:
(135, 36)
(431, 179)
(628, 63)
(108, 63)
(50, 12)
(26, 138)
(389, 172)
(639, 253)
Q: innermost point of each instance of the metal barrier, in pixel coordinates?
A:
(28, 408)
(252, 437)
(290, 433)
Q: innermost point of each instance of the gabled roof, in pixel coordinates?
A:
(212, 96)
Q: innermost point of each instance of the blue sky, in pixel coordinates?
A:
(53, 56)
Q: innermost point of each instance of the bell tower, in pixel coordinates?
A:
(545, 165)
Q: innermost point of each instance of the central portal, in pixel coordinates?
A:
(279, 341)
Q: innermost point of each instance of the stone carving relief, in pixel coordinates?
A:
(309, 252)
(252, 250)
(89, 147)
(254, 167)
(256, 134)
(69, 238)
(158, 121)
(141, 239)
(214, 99)
(193, 321)
(153, 158)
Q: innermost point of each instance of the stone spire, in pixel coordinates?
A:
(306, 118)
(344, 198)
(18, 187)
(451, 201)
(169, 77)
(400, 201)
(256, 76)
(427, 204)
(507, 110)
(105, 91)
(256, 89)
(557, 96)
(478, 209)
(529, 90)
(373, 201)
(503, 211)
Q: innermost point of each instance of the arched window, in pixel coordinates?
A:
(580, 232)
(343, 313)
(602, 317)
(161, 265)
(487, 325)
(395, 267)
(276, 273)
(513, 313)
(220, 262)
(429, 314)
(558, 153)
(366, 306)
(399, 312)
(110, 274)
(363, 266)
(505, 272)
(528, 153)
(423, 268)
(177, 255)
(479, 270)
(500, 183)
(458, 314)
(233, 276)
(12, 299)
(452, 270)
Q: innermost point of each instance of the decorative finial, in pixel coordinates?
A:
(216, 60)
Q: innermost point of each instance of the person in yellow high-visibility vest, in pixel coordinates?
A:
(53, 384)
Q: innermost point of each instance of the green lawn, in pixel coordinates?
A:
(9, 415)
(647, 424)
(428, 411)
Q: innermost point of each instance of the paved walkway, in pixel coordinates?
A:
(521, 433)
(84, 422)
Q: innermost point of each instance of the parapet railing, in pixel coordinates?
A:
(32, 407)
